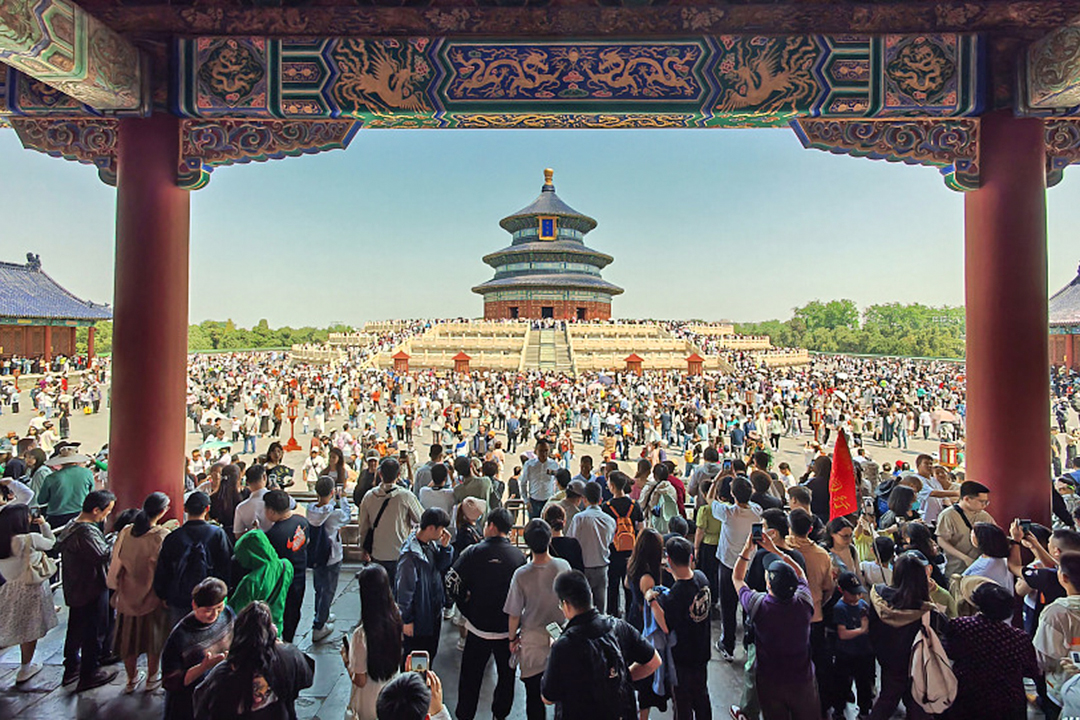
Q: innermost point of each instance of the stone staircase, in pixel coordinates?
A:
(548, 349)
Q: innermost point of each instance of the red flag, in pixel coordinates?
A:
(843, 499)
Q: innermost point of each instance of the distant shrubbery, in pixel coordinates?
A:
(225, 335)
(892, 329)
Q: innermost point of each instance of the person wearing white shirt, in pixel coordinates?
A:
(251, 513)
(324, 577)
(931, 494)
(738, 520)
(21, 492)
(538, 479)
(313, 468)
(437, 494)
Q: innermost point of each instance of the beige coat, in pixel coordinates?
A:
(131, 573)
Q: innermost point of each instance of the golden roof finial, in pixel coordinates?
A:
(548, 174)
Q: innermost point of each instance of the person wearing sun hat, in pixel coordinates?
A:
(62, 493)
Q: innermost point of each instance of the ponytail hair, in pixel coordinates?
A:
(154, 505)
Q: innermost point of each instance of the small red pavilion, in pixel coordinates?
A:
(1064, 316)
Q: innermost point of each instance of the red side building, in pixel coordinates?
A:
(1065, 325)
(38, 317)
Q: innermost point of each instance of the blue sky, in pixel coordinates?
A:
(738, 224)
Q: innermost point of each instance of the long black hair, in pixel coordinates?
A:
(154, 504)
(252, 650)
(911, 584)
(14, 520)
(381, 621)
(223, 502)
(647, 557)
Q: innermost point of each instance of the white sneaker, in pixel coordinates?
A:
(322, 633)
(27, 671)
(331, 618)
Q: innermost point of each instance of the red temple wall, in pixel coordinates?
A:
(533, 309)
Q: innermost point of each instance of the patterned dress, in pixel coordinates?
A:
(991, 660)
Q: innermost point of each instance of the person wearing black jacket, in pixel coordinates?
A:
(818, 485)
(85, 556)
(479, 583)
(173, 583)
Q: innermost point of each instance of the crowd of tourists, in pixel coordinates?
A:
(606, 592)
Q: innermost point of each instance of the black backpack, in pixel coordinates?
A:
(318, 548)
(611, 693)
(191, 569)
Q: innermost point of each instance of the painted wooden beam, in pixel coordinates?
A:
(63, 46)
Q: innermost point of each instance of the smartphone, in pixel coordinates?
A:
(727, 465)
(35, 513)
(1075, 657)
(755, 532)
(868, 506)
(345, 644)
(554, 630)
(1025, 525)
(419, 661)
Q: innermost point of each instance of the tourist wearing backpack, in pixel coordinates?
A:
(595, 660)
(896, 620)
(325, 552)
(190, 554)
(628, 521)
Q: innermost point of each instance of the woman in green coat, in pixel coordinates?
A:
(267, 576)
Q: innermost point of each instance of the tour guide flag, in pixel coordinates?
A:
(842, 496)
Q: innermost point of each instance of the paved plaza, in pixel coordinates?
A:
(42, 698)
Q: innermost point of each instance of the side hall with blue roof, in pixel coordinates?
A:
(38, 317)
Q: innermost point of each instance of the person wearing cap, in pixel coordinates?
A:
(173, 581)
(62, 493)
(854, 654)
(781, 617)
(594, 530)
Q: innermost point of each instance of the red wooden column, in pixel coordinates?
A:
(1070, 354)
(90, 345)
(147, 431)
(48, 344)
(1008, 410)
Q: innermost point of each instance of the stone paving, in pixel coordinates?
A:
(42, 698)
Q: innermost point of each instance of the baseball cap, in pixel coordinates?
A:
(782, 580)
(849, 582)
(196, 503)
(918, 555)
(576, 487)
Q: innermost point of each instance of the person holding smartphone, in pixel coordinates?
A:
(425, 558)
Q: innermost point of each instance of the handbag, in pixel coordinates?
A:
(38, 570)
(369, 536)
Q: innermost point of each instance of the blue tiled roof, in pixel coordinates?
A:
(549, 280)
(547, 204)
(27, 292)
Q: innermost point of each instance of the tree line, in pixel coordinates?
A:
(912, 330)
(224, 335)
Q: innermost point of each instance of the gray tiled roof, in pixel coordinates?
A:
(27, 292)
(1065, 304)
(549, 280)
